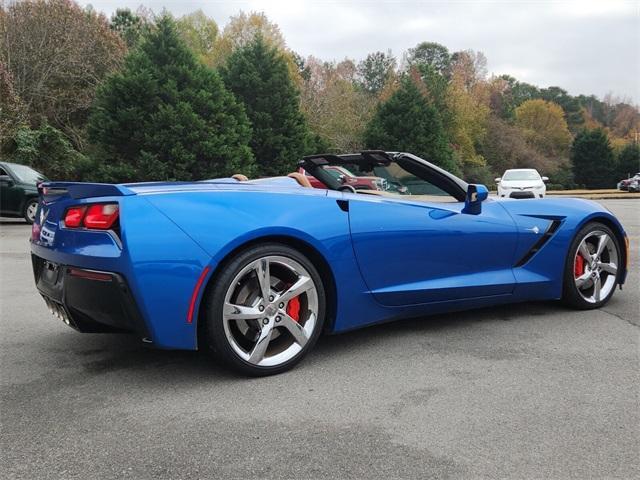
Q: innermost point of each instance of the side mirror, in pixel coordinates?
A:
(6, 180)
(476, 194)
(342, 179)
(545, 179)
(497, 180)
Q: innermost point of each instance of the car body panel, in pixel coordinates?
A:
(541, 276)
(386, 258)
(417, 252)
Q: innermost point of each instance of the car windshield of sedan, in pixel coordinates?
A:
(26, 174)
(394, 181)
(520, 175)
(338, 172)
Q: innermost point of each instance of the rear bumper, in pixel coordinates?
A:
(88, 300)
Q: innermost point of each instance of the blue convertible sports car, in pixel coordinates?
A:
(256, 270)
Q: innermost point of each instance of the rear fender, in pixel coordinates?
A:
(223, 222)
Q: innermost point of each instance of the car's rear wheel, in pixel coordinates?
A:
(30, 209)
(592, 268)
(265, 310)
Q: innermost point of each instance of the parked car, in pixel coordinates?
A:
(19, 191)
(630, 184)
(256, 270)
(348, 179)
(521, 183)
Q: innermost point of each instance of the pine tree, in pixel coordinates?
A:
(628, 163)
(166, 116)
(408, 122)
(259, 77)
(592, 157)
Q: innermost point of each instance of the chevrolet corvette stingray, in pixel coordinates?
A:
(256, 270)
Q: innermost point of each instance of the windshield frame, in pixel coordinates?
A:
(421, 168)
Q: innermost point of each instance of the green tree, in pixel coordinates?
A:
(432, 54)
(48, 150)
(508, 93)
(335, 108)
(376, 70)
(628, 163)
(592, 158)
(570, 105)
(467, 111)
(505, 146)
(242, 29)
(57, 54)
(199, 32)
(167, 116)
(13, 113)
(128, 25)
(545, 126)
(408, 122)
(259, 77)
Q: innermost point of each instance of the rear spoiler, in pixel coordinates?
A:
(77, 190)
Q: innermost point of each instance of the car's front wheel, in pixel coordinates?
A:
(265, 310)
(592, 268)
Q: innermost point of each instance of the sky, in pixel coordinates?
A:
(586, 47)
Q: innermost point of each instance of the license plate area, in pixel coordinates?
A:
(49, 278)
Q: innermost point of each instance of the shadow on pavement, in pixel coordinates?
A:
(13, 221)
(98, 354)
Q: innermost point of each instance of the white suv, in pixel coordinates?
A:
(521, 183)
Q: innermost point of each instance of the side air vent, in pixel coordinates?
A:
(343, 204)
(553, 227)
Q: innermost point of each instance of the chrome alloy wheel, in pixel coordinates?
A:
(596, 266)
(270, 310)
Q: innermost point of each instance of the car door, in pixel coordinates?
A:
(415, 252)
(10, 193)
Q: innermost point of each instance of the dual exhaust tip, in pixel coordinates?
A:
(58, 311)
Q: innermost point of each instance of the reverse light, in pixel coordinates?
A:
(99, 216)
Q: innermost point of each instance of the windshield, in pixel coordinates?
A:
(518, 175)
(395, 181)
(26, 174)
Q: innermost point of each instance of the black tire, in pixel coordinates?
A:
(26, 212)
(214, 331)
(571, 296)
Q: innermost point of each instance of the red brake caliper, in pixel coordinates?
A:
(578, 266)
(293, 308)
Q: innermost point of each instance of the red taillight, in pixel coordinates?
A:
(35, 232)
(100, 216)
(73, 217)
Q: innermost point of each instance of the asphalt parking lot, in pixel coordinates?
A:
(525, 391)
